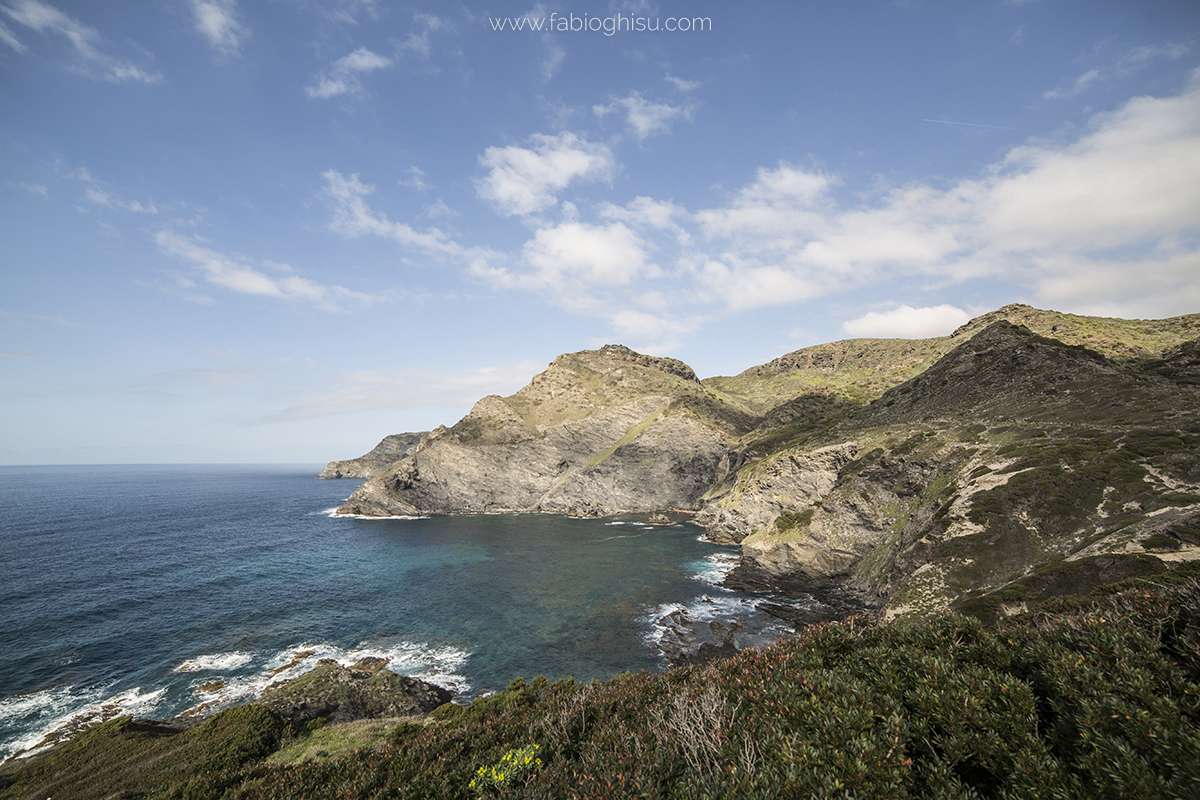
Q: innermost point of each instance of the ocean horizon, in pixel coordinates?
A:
(154, 589)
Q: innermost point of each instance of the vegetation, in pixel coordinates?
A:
(1098, 700)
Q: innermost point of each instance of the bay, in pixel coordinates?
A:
(150, 590)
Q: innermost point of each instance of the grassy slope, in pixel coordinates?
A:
(1100, 700)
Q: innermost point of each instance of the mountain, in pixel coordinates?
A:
(1027, 455)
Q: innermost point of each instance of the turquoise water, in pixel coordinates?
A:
(129, 587)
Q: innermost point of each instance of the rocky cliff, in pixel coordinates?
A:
(387, 452)
(1028, 454)
(599, 432)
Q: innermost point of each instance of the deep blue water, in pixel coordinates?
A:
(131, 586)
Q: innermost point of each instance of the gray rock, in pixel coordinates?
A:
(364, 690)
(387, 452)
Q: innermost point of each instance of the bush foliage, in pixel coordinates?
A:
(1094, 702)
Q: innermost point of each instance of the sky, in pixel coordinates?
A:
(277, 230)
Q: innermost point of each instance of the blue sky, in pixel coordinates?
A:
(276, 231)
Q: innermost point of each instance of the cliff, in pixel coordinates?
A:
(599, 432)
(1029, 454)
(387, 452)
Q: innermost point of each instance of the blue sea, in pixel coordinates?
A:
(152, 590)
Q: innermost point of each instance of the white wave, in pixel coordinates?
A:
(618, 522)
(437, 665)
(215, 662)
(335, 515)
(691, 621)
(716, 567)
(62, 713)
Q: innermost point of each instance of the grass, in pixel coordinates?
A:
(333, 741)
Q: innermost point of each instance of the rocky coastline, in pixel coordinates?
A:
(897, 478)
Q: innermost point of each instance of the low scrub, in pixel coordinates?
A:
(1099, 701)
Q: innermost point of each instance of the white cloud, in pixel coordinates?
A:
(1082, 82)
(10, 38)
(554, 53)
(554, 57)
(107, 199)
(1127, 192)
(34, 188)
(418, 41)
(351, 8)
(680, 84)
(234, 274)
(217, 21)
(643, 117)
(906, 322)
(370, 390)
(652, 332)
(343, 77)
(1152, 287)
(44, 18)
(1139, 57)
(438, 209)
(417, 181)
(781, 202)
(523, 181)
(646, 212)
(574, 255)
(352, 217)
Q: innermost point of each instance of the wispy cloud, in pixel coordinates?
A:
(554, 54)
(218, 22)
(10, 38)
(418, 40)
(98, 195)
(371, 390)
(643, 117)
(236, 274)
(33, 188)
(53, 319)
(342, 77)
(680, 84)
(352, 217)
(526, 180)
(1124, 65)
(1082, 82)
(45, 19)
(108, 199)
(417, 181)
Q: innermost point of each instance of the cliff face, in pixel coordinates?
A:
(387, 452)
(1028, 454)
(599, 432)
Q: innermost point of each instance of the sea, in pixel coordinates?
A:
(154, 590)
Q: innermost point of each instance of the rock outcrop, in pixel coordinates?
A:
(364, 690)
(387, 452)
